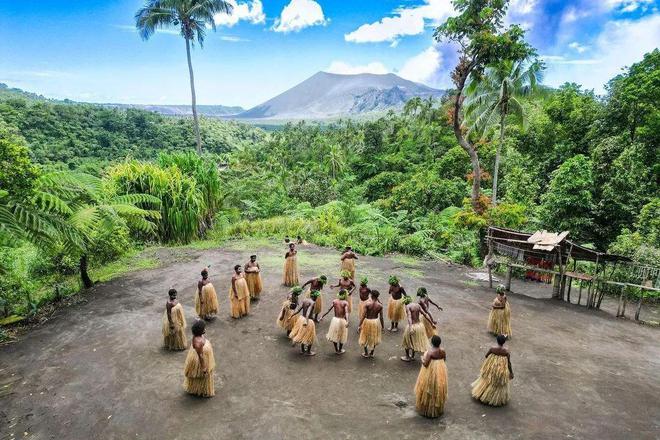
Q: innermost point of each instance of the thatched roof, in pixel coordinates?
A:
(544, 242)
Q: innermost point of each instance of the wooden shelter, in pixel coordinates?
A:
(518, 249)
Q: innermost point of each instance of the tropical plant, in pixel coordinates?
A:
(478, 30)
(192, 17)
(496, 95)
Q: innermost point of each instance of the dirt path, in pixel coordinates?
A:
(96, 371)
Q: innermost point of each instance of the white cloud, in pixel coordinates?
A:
(250, 11)
(232, 39)
(521, 7)
(579, 48)
(424, 67)
(344, 68)
(405, 21)
(628, 5)
(299, 14)
(621, 43)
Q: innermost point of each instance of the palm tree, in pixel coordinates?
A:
(192, 17)
(494, 96)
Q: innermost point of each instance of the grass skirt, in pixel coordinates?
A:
(396, 310)
(498, 324)
(492, 386)
(428, 328)
(290, 277)
(239, 306)
(349, 300)
(431, 389)
(414, 337)
(195, 381)
(175, 339)
(371, 333)
(337, 332)
(286, 323)
(318, 302)
(210, 298)
(349, 265)
(303, 334)
(255, 285)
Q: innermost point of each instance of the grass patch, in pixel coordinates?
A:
(131, 262)
(246, 244)
(470, 283)
(406, 260)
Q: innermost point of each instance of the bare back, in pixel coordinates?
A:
(414, 310)
(372, 310)
(340, 307)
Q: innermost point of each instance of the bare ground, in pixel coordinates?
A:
(97, 370)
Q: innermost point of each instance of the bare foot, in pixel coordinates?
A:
(310, 353)
(371, 354)
(395, 329)
(365, 355)
(406, 358)
(342, 351)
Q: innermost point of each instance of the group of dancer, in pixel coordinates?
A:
(300, 313)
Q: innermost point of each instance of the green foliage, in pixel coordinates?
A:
(568, 203)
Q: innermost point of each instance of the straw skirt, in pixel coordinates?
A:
(431, 389)
(175, 339)
(370, 334)
(499, 322)
(337, 332)
(210, 305)
(428, 328)
(348, 265)
(492, 386)
(286, 323)
(255, 285)
(396, 310)
(239, 306)
(290, 277)
(414, 338)
(196, 382)
(303, 334)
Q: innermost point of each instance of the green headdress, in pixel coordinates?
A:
(407, 300)
(345, 274)
(297, 290)
(393, 280)
(421, 292)
(364, 281)
(342, 294)
(314, 294)
(323, 279)
(500, 289)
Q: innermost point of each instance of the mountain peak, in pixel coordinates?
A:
(329, 95)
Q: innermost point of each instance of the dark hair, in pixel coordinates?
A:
(172, 292)
(198, 328)
(253, 256)
(436, 341)
(501, 339)
(205, 272)
(375, 293)
(291, 244)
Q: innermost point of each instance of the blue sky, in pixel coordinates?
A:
(88, 50)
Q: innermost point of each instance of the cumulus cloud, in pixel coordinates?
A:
(424, 67)
(579, 48)
(522, 7)
(621, 43)
(344, 68)
(250, 11)
(405, 21)
(299, 14)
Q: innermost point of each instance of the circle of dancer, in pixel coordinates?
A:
(303, 310)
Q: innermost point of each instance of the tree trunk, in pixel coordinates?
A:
(463, 142)
(84, 275)
(496, 169)
(194, 99)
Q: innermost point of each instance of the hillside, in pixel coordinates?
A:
(212, 111)
(328, 95)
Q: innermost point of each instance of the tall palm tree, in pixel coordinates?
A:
(494, 96)
(192, 17)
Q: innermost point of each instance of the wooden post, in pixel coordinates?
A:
(509, 270)
(580, 293)
(618, 307)
(489, 262)
(639, 305)
(568, 293)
